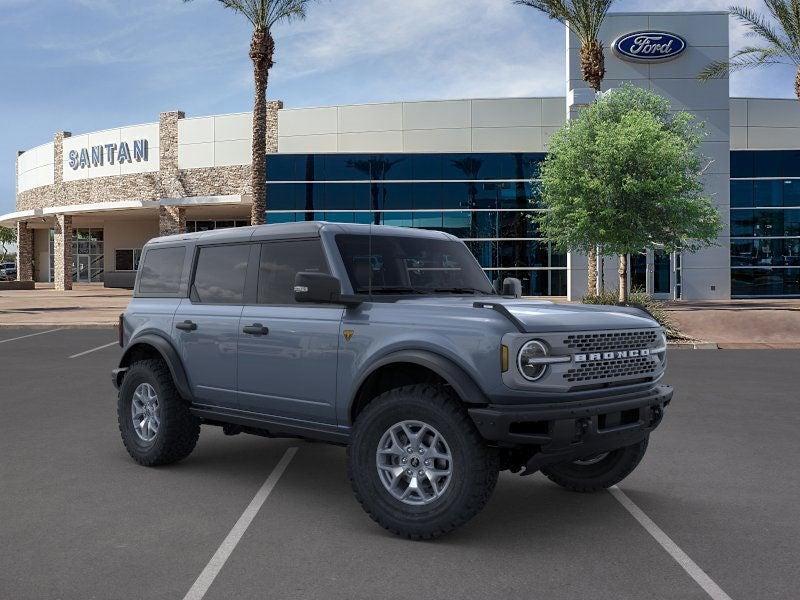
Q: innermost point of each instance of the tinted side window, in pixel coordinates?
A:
(220, 274)
(161, 271)
(280, 262)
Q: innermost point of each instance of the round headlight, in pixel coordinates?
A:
(526, 360)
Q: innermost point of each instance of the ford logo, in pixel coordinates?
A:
(649, 46)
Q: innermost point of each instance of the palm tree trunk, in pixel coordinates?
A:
(797, 84)
(262, 48)
(623, 278)
(593, 70)
(593, 64)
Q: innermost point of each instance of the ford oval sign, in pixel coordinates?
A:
(649, 46)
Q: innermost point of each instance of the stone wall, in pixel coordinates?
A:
(169, 182)
(24, 252)
(62, 251)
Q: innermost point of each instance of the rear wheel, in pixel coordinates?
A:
(597, 472)
(156, 425)
(417, 464)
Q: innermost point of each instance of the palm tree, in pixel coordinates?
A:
(779, 41)
(263, 15)
(584, 19)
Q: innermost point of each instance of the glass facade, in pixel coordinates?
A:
(485, 199)
(765, 223)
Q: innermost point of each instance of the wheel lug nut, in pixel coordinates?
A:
(409, 450)
(421, 450)
(405, 460)
(427, 462)
(421, 472)
(410, 472)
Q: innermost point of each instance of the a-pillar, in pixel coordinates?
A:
(24, 252)
(62, 253)
(171, 219)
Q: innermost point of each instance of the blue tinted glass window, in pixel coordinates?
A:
(791, 222)
(397, 219)
(280, 217)
(557, 259)
(455, 195)
(459, 224)
(765, 282)
(790, 165)
(340, 196)
(346, 167)
(426, 195)
(462, 166)
(768, 193)
(742, 164)
(528, 164)
(394, 196)
(281, 167)
(282, 196)
(427, 220)
(312, 196)
(791, 192)
(768, 163)
(742, 223)
(741, 194)
(426, 166)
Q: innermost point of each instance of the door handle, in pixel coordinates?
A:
(255, 329)
(186, 326)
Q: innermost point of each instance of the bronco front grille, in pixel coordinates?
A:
(618, 368)
(612, 340)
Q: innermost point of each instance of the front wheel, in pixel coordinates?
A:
(598, 472)
(417, 464)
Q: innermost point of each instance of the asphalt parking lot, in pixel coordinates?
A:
(79, 519)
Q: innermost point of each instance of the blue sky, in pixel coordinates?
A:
(84, 65)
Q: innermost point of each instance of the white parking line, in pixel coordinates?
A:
(22, 337)
(93, 350)
(206, 578)
(688, 565)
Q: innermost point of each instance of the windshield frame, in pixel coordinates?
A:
(475, 281)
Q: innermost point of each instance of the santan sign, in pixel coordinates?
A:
(649, 46)
(97, 156)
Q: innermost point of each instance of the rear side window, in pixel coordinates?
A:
(220, 274)
(280, 262)
(161, 271)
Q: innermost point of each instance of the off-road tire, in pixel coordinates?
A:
(179, 429)
(595, 477)
(475, 465)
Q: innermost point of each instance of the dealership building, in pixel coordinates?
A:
(86, 204)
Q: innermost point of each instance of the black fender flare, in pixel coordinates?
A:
(168, 353)
(461, 382)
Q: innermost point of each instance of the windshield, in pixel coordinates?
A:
(393, 264)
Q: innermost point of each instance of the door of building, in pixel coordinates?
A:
(83, 274)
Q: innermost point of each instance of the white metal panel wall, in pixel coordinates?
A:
(483, 125)
(215, 141)
(35, 167)
(765, 124)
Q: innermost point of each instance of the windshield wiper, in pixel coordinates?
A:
(388, 289)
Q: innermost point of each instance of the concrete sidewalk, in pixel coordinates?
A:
(87, 305)
(741, 323)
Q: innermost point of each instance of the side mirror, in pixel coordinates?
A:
(320, 288)
(512, 287)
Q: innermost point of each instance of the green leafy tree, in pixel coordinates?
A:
(626, 175)
(263, 15)
(584, 19)
(8, 236)
(778, 40)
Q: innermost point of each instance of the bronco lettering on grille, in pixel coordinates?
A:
(611, 355)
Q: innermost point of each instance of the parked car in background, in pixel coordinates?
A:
(8, 271)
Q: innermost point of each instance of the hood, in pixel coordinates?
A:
(536, 316)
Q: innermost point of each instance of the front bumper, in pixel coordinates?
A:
(568, 431)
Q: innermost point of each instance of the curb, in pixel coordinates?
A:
(693, 345)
